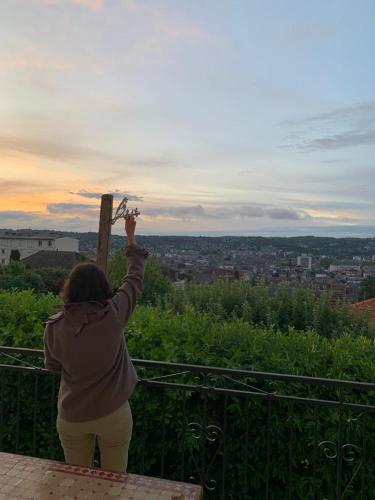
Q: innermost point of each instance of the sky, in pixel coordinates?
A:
(212, 116)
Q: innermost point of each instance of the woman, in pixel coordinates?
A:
(85, 343)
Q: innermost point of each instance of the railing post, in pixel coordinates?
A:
(339, 449)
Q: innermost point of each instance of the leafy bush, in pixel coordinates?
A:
(282, 307)
(53, 278)
(163, 440)
(367, 290)
(22, 317)
(199, 338)
(156, 285)
(16, 276)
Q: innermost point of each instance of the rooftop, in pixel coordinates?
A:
(52, 258)
(366, 305)
(29, 235)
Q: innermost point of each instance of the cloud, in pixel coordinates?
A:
(12, 186)
(16, 215)
(269, 212)
(117, 195)
(335, 160)
(158, 31)
(363, 113)
(61, 208)
(340, 128)
(183, 213)
(94, 5)
(62, 151)
(338, 141)
(46, 149)
(17, 219)
(284, 214)
(163, 26)
(240, 212)
(333, 205)
(247, 211)
(32, 59)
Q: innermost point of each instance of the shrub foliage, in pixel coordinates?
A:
(259, 441)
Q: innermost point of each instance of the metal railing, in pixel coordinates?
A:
(242, 434)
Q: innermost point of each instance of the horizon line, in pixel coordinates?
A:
(358, 232)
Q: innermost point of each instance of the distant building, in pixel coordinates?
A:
(304, 261)
(368, 271)
(28, 243)
(345, 265)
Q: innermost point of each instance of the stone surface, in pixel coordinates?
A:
(33, 478)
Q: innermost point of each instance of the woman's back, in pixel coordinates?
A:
(85, 342)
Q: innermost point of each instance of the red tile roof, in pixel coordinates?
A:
(366, 305)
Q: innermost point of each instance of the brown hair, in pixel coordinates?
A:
(86, 281)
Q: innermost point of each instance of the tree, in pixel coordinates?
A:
(53, 278)
(156, 285)
(326, 262)
(117, 267)
(16, 276)
(367, 289)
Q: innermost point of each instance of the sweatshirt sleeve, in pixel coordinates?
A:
(49, 360)
(128, 294)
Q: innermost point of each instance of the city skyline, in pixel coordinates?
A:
(215, 117)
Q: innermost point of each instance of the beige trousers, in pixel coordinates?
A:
(113, 433)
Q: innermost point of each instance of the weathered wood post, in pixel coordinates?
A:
(104, 236)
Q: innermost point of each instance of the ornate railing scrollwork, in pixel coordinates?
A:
(203, 434)
(329, 449)
(350, 454)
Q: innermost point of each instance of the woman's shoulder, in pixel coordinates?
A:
(55, 317)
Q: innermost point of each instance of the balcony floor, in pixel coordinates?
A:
(32, 478)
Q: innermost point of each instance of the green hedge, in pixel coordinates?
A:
(16, 276)
(162, 443)
(281, 306)
(199, 338)
(22, 317)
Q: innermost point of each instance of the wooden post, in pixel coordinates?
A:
(104, 235)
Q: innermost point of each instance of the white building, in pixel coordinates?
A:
(304, 261)
(28, 243)
(368, 271)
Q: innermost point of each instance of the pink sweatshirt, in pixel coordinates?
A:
(86, 344)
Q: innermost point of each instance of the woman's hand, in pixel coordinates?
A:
(130, 224)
